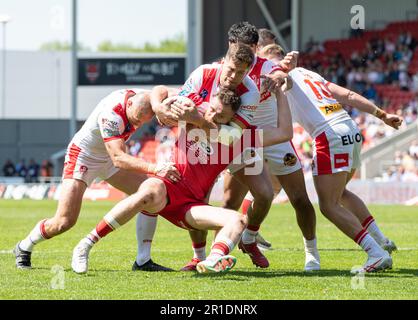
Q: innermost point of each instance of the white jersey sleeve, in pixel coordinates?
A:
(111, 125)
(193, 83)
(250, 99)
(312, 104)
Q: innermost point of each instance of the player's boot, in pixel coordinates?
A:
(80, 260)
(312, 261)
(389, 246)
(191, 265)
(255, 254)
(150, 266)
(262, 243)
(22, 257)
(221, 264)
(375, 264)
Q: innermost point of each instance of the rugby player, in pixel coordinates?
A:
(178, 202)
(316, 105)
(98, 151)
(183, 203)
(282, 161)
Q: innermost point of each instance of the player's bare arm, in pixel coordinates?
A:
(270, 135)
(284, 130)
(161, 99)
(290, 61)
(116, 149)
(350, 98)
(185, 110)
(169, 111)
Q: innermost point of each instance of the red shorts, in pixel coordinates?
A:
(180, 200)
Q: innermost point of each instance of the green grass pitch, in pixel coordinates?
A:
(111, 259)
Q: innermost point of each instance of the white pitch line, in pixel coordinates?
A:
(6, 251)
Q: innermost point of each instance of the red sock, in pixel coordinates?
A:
(42, 229)
(360, 236)
(246, 204)
(219, 249)
(102, 229)
(367, 222)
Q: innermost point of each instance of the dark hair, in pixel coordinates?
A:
(229, 97)
(266, 37)
(243, 32)
(240, 53)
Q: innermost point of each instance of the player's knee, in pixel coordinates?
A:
(147, 200)
(149, 196)
(231, 203)
(327, 208)
(65, 223)
(240, 221)
(301, 202)
(264, 196)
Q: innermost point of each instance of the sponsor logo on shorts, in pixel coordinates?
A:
(289, 159)
(349, 139)
(340, 160)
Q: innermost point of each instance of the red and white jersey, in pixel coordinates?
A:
(200, 162)
(203, 85)
(312, 104)
(108, 121)
(265, 113)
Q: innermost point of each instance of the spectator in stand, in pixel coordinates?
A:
(46, 169)
(33, 171)
(389, 45)
(21, 169)
(413, 149)
(408, 162)
(9, 169)
(370, 92)
(134, 147)
(356, 33)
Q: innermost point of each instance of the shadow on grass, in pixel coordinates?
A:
(301, 249)
(235, 275)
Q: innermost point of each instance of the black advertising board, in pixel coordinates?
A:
(131, 71)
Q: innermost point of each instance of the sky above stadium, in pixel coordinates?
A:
(120, 21)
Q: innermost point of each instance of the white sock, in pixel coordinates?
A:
(199, 251)
(145, 229)
(310, 245)
(248, 236)
(33, 238)
(375, 232)
(371, 247)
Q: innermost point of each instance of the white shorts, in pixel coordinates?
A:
(80, 165)
(282, 159)
(337, 149)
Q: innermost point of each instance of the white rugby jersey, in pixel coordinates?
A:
(108, 121)
(312, 104)
(265, 113)
(203, 85)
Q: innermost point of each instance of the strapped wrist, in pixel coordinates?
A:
(379, 113)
